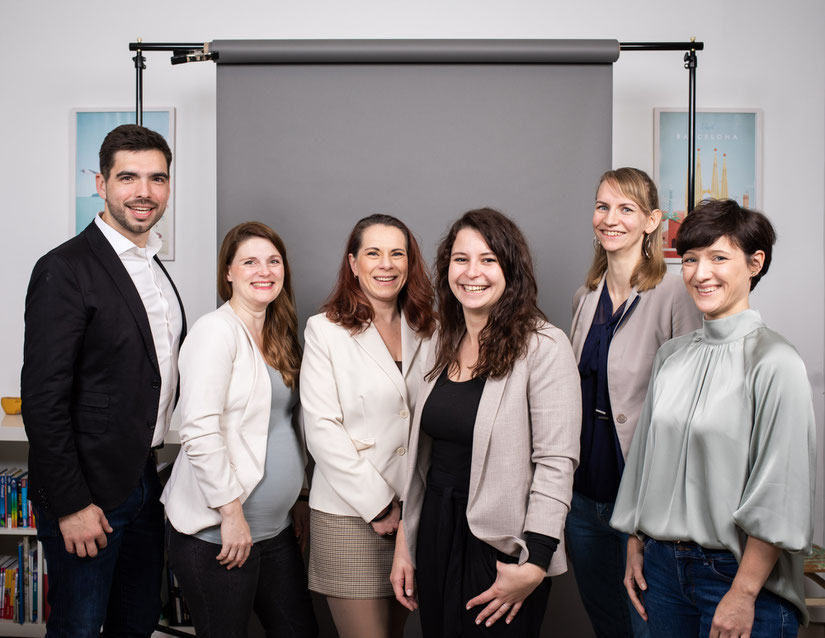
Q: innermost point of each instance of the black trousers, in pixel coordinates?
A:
(272, 582)
(453, 566)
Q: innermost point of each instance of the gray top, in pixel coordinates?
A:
(725, 448)
(267, 508)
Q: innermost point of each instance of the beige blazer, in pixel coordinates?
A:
(223, 417)
(525, 450)
(662, 313)
(357, 411)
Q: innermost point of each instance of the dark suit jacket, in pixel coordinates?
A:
(90, 380)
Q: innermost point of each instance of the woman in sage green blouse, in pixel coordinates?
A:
(717, 494)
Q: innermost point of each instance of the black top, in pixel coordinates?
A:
(449, 417)
(601, 461)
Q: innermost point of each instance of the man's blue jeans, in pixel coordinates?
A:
(685, 583)
(597, 553)
(118, 589)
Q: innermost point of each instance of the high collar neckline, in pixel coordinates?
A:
(731, 328)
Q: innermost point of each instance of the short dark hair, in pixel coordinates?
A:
(131, 137)
(748, 230)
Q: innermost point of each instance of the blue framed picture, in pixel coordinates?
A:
(89, 128)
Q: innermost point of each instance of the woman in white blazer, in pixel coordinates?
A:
(629, 307)
(494, 444)
(235, 485)
(363, 362)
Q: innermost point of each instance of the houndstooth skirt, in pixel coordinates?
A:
(347, 559)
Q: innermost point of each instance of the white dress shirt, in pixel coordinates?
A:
(162, 309)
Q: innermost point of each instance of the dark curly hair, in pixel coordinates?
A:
(513, 318)
(349, 306)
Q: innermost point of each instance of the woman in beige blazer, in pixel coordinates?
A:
(363, 362)
(494, 444)
(234, 487)
(628, 308)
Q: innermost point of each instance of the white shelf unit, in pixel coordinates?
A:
(15, 448)
(13, 439)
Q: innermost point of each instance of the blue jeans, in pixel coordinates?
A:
(597, 554)
(120, 587)
(685, 582)
(272, 583)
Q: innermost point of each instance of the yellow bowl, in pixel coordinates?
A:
(11, 405)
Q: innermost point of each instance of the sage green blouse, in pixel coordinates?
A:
(725, 448)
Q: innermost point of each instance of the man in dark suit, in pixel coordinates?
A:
(103, 327)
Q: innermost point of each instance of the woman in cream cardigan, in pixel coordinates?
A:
(363, 363)
(626, 310)
(234, 489)
(494, 444)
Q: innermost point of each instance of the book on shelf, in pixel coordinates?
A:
(15, 507)
(19, 581)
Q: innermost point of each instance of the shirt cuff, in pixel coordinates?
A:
(540, 549)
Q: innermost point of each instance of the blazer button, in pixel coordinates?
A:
(621, 418)
(150, 425)
(156, 385)
(404, 414)
(400, 451)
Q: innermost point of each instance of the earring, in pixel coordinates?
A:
(646, 247)
(596, 243)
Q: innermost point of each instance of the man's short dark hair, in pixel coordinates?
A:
(748, 230)
(130, 137)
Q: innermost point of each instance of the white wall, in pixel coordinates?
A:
(56, 56)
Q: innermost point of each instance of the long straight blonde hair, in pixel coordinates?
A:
(650, 271)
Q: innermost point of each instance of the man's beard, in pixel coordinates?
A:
(129, 223)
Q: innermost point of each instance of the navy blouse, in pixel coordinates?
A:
(601, 462)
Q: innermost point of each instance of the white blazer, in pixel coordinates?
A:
(357, 408)
(223, 416)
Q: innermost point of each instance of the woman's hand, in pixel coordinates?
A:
(634, 579)
(513, 584)
(236, 540)
(734, 613)
(300, 521)
(387, 526)
(402, 575)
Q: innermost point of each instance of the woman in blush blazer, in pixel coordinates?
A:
(363, 363)
(629, 307)
(234, 489)
(494, 444)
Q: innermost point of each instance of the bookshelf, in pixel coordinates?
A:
(15, 451)
(14, 448)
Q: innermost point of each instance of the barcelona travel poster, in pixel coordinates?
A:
(728, 162)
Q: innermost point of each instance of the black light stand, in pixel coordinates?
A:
(182, 52)
(690, 64)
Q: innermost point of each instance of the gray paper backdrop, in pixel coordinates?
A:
(310, 149)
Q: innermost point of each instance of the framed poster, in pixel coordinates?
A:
(88, 128)
(728, 162)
